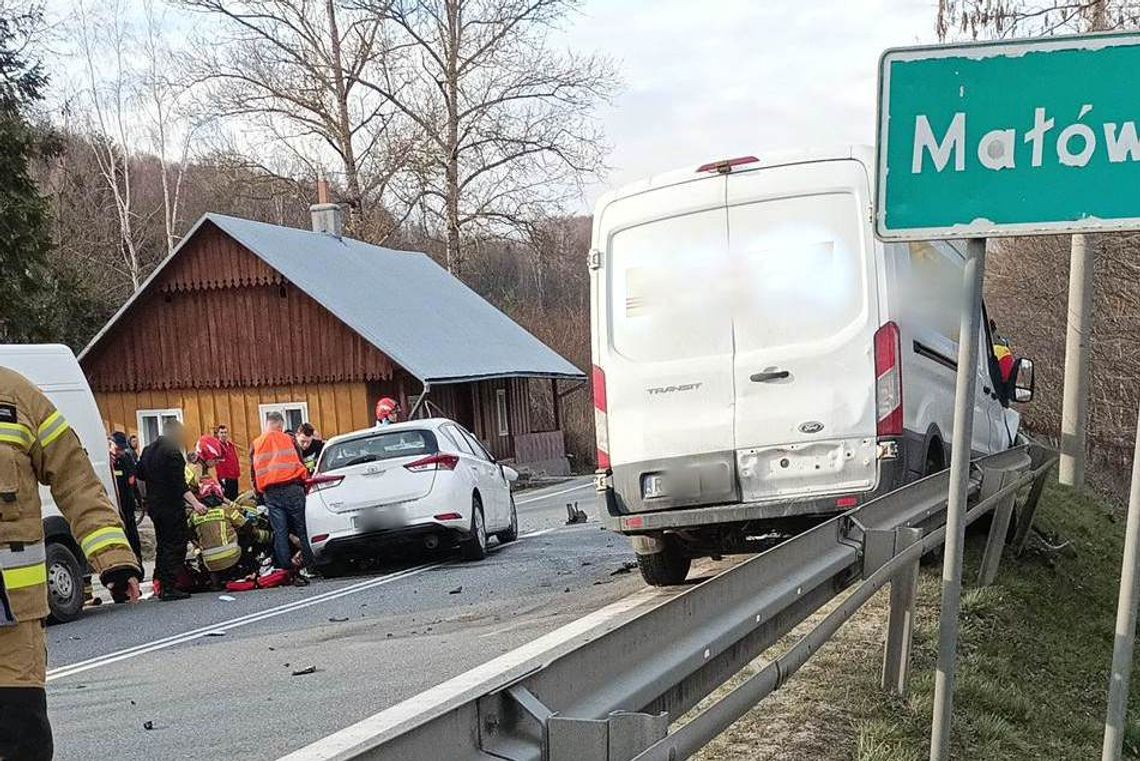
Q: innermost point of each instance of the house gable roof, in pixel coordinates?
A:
(401, 302)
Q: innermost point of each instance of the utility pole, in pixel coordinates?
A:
(1078, 331)
(1078, 340)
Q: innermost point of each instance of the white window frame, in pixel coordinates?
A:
(502, 416)
(283, 407)
(175, 412)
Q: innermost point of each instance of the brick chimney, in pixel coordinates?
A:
(328, 217)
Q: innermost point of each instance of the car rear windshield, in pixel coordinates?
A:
(378, 446)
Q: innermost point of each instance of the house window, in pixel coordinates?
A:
(294, 413)
(151, 423)
(501, 412)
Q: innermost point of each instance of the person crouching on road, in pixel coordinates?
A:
(163, 468)
(311, 446)
(279, 476)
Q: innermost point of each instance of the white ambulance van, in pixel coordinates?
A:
(763, 362)
(57, 373)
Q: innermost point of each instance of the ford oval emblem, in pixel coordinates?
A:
(812, 426)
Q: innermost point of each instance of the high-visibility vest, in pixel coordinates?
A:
(1005, 361)
(275, 461)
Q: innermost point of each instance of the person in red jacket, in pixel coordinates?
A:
(229, 468)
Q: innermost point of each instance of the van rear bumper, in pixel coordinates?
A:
(892, 474)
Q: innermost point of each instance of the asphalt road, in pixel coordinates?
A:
(215, 679)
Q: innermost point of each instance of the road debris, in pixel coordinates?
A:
(337, 619)
(626, 567)
(304, 671)
(574, 515)
(216, 633)
(456, 591)
(148, 725)
(226, 598)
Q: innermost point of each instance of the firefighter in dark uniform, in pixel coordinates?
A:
(38, 446)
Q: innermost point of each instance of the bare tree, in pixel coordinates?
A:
(294, 68)
(1021, 18)
(166, 100)
(508, 124)
(106, 101)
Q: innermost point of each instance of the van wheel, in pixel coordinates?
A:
(935, 459)
(475, 547)
(65, 584)
(666, 568)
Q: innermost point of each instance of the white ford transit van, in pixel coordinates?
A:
(57, 373)
(762, 361)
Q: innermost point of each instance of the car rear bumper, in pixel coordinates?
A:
(361, 544)
(892, 474)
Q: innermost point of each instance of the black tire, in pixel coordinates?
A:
(65, 584)
(475, 546)
(512, 533)
(331, 569)
(666, 568)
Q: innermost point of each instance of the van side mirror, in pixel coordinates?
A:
(1023, 381)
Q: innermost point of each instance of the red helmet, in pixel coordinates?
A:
(209, 448)
(210, 488)
(385, 407)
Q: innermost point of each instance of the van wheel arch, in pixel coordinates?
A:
(934, 457)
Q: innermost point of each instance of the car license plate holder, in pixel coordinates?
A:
(374, 519)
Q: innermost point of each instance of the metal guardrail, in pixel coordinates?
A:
(612, 698)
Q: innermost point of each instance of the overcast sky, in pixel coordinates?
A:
(709, 79)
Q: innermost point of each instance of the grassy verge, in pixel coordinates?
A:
(1033, 662)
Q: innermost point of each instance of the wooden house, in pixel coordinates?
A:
(246, 317)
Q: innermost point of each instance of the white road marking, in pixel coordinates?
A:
(454, 689)
(537, 497)
(251, 618)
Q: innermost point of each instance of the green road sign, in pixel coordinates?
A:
(1009, 138)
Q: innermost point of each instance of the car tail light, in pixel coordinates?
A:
(318, 538)
(601, 418)
(319, 483)
(448, 517)
(846, 502)
(724, 166)
(888, 381)
(434, 462)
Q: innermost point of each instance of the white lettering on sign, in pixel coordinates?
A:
(1076, 144)
(939, 150)
(1123, 147)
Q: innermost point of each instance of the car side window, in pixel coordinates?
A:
(449, 437)
(480, 451)
(460, 440)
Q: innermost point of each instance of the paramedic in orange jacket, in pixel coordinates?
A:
(279, 475)
(37, 446)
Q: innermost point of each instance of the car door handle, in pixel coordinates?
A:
(769, 375)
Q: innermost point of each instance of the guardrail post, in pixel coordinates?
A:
(900, 623)
(1028, 510)
(999, 530)
(622, 736)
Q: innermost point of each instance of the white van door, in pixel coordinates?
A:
(664, 341)
(805, 317)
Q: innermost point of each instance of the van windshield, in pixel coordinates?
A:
(758, 275)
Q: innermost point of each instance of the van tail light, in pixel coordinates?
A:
(434, 462)
(888, 381)
(319, 483)
(601, 418)
(318, 538)
(724, 166)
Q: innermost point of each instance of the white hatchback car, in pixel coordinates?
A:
(427, 484)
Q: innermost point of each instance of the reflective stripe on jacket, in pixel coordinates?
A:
(217, 536)
(276, 462)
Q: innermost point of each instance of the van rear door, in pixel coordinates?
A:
(663, 338)
(805, 314)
